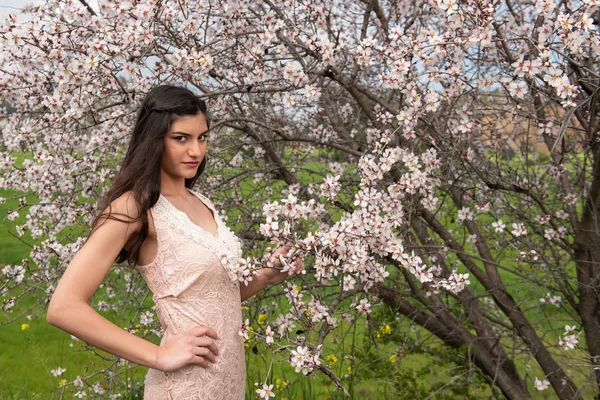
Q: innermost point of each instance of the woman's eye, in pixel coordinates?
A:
(180, 138)
(202, 138)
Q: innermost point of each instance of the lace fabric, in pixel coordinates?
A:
(193, 284)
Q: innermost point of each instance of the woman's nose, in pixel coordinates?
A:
(195, 148)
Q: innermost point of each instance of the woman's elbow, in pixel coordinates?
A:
(56, 312)
(53, 313)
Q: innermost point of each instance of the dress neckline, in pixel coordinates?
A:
(204, 201)
(223, 243)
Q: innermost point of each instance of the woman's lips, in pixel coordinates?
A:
(192, 163)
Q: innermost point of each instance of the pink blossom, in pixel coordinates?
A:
(364, 306)
(498, 226)
(541, 385)
(265, 392)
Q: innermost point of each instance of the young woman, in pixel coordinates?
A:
(175, 238)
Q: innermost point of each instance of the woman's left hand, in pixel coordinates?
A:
(282, 266)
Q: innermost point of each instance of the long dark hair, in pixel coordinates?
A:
(140, 170)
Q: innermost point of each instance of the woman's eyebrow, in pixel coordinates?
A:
(186, 134)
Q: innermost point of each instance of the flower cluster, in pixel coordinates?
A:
(570, 338)
(550, 299)
(305, 360)
(541, 384)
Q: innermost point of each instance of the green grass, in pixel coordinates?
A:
(12, 248)
(31, 348)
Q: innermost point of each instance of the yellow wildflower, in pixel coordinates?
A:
(24, 326)
(62, 382)
(393, 358)
(332, 359)
(262, 318)
(349, 370)
(386, 330)
(279, 384)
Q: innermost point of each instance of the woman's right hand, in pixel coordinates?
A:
(194, 346)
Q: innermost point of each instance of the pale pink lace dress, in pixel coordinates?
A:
(193, 286)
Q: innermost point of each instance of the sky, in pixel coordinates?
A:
(11, 6)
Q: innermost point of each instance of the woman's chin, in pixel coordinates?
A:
(189, 174)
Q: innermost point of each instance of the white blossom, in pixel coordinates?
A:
(541, 384)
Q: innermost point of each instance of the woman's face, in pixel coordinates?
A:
(184, 146)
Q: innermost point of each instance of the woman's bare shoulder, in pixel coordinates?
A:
(123, 209)
(125, 204)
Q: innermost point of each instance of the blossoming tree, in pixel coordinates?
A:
(437, 158)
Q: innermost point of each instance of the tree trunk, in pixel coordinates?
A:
(456, 336)
(587, 259)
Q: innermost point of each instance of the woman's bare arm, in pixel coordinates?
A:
(261, 280)
(269, 276)
(69, 309)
